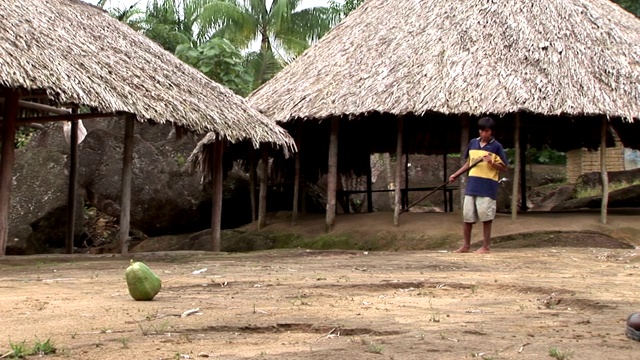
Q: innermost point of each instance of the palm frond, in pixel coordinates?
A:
(229, 20)
(310, 24)
(280, 13)
(262, 64)
(291, 46)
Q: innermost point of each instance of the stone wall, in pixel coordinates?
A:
(582, 161)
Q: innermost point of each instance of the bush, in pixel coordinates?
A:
(546, 155)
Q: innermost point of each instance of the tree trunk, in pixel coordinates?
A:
(265, 48)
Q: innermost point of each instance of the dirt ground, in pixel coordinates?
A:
(539, 289)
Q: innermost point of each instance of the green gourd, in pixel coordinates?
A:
(143, 283)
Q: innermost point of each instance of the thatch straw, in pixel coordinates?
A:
(546, 57)
(200, 159)
(78, 54)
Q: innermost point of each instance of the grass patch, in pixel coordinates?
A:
(383, 241)
(20, 350)
(345, 241)
(375, 348)
(558, 354)
(585, 192)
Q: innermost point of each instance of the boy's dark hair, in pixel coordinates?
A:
(486, 123)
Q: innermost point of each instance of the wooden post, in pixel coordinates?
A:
(464, 143)
(369, 187)
(516, 169)
(252, 183)
(296, 179)
(445, 178)
(127, 174)
(262, 201)
(216, 191)
(6, 163)
(398, 190)
(603, 171)
(73, 186)
(332, 175)
(405, 201)
(523, 170)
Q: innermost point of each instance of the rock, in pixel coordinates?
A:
(164, 198)
(39, 190)
(49, 231)
(594, 179)
(231, 241)
(625, 197)
(553, 198)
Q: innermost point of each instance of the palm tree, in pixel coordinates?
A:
(345, 8)
(131, 15)
(282, 30)
(174, 22)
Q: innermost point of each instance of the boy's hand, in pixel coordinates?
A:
(488, 159)
(452, 178)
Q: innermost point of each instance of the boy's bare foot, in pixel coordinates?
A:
(482, 250)
(464, 249)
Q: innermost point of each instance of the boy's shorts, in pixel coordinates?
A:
(478, 208)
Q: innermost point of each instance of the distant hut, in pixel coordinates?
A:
(407, 75)
(58, 55)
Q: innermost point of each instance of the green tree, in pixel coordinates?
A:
(131, 15)
(345, 8)
(220, 61)
(282, 30)
(632, 6)
(174, 22)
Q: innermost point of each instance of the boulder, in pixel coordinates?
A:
(594, 179)
(625, 197)
(231, 241)
(553, 198)
(39, 190)
(164, 198)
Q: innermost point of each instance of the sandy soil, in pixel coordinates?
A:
(515, 303)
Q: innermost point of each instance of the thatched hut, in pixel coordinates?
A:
(560, 71)
(59, 55)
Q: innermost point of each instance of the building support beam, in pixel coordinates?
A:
(332, 175)
(216, 194)
(296, 179)
(127, 176)
(73, 187)
(264, 182)
(603, 171)
(464, 143)
(516, 169)
(398, 189)
(6, 163)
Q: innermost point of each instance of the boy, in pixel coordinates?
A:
(482, 183)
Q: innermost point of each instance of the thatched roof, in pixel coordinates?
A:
(78, 54)
(546, 57)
